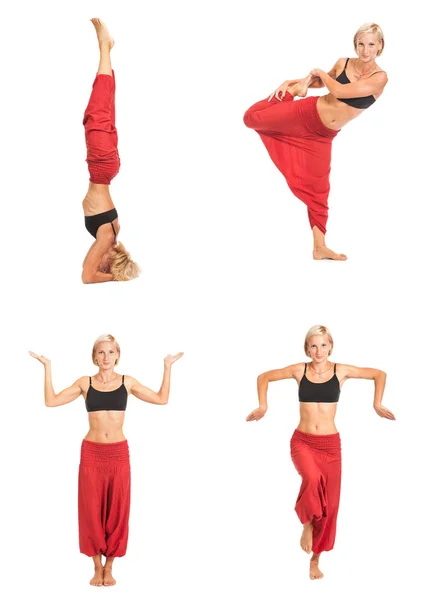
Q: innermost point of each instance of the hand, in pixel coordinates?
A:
(384, 412)
(43, 360)
(256, 414)
(316, 73)
(171, 358)
(280, 91)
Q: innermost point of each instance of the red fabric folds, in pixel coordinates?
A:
(299, 144)
(101, 135)
(104, 487)
(317, 459)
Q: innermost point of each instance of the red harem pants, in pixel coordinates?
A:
(299, 144)
(318, 461)
(101, 136)
(104, 498)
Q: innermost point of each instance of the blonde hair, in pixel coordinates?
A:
(318, 330)
(370, 28)
(122, 267)
(106, 338)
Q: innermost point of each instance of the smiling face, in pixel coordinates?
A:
(319, 348)
(368, 47)
(106, 355)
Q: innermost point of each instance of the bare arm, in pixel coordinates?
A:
(379, 378)
(146, 394)
(372, 86)
(90, 266)
(50, 397)
(263, 380)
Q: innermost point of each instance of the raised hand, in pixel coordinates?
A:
(383, 412)
(43, 360)
(171, 358)
(256, 414)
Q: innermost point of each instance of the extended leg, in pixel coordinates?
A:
(106, 44)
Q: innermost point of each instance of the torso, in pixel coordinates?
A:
(318, 417)
(106, 426)
(97, 200)
(334, 113)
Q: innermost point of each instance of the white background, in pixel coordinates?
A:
(228, 278)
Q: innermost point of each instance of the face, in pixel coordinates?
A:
(319, 346)
(106, 355)
(367, 47)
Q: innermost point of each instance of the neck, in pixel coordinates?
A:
(320, 367)
(366, 66)
(106, 376)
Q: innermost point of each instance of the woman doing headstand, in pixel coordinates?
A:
(107, 259)
(104, 472)
(315, 444)
(298, 134)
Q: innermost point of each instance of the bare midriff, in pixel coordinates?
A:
(317, 417)
(97, 200)
(106, 426)
(335, 114)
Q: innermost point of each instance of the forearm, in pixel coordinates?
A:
(333, 86)
(262, 391)
(49, 393)
(380, 384)
(97, 277)
(163, 393)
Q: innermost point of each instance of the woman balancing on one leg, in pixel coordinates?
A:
(315, 445)
(298, 135)
(107, 258)
(104, 473)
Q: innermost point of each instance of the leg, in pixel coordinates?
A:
(91, 508)
(321, 251)
(269, 116)
(97, 580)
(314, 570)
(106, 44)
(108, 579)
(118, 511)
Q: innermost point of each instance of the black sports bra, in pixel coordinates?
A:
(329, 391)
(364, 102)
(114, 400)
(95, 221)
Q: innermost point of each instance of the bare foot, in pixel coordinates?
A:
(98, 577)
(103, 34)
(107, 577)
(299, 89)
(322, 253)
(314, 571)
(306, 539)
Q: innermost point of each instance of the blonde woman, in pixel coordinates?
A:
(104, 473)
(107, 259)
(315, 444)
(298, 135)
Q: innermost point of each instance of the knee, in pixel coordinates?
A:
(247, 119)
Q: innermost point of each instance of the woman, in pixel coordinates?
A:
(107, 259)
(298, 135)
(104, 473)
(315, 445)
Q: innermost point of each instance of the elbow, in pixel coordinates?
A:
(262, 378)
(48, 403)
(163, 401)
(87, 277)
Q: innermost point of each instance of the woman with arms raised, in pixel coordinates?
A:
(315, 444)
(104, 473)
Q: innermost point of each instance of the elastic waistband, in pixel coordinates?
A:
(318, 442)
(308, 109)
(95, 452)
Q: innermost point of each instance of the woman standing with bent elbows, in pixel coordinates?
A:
(104, 473)
(315, 444)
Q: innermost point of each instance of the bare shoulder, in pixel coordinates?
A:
(83, 383)
(337, 68)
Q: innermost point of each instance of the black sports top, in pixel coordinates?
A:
(329, 391)
(95, 221)
(364, 102)
(114, 400)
